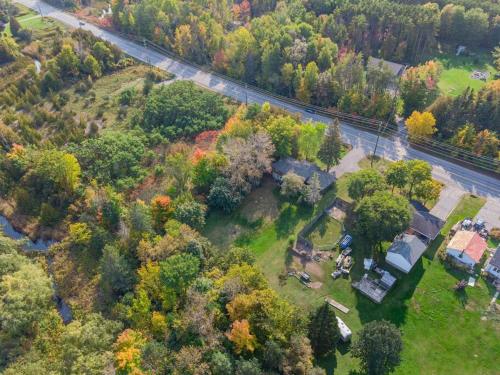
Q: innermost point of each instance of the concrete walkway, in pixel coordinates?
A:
(490, 213)
(449, 198)
(349, 163)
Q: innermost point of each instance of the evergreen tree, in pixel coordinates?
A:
(312, 191)
(15, 26)
(378, 347)
(323, 330)
(331, 148)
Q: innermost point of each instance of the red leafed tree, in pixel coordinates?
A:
(245, 10)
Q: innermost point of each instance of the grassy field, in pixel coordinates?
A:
(455, 77)
(423, 303)
(31, 20)
(327, 231)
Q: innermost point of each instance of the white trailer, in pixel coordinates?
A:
(345, 331)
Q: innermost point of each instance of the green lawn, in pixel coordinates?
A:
(326, 232)
(455, 77)
(31, 20)
(441, 329)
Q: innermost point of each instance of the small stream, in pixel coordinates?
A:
(42, 247)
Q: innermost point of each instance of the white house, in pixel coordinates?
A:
(492, 267)
(466, 248)
(405, 252)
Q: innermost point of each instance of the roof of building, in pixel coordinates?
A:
(495, 260)
(424, 222)
(396, 69)
(409, 246)
(471, 243)
(303, 169)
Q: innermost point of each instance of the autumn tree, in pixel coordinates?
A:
(428, 190)
(397, 174)
(420, 124)
(241, 337)
(419, 171)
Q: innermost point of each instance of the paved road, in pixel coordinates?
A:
(451, 174)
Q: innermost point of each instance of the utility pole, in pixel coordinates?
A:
(393, 110)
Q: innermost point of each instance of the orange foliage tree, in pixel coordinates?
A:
(241, 337)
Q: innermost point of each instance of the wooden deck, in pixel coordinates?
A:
(337, 305)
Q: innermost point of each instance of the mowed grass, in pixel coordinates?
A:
(442, 331)
(31, 20)
(455, 77)
(327, 231)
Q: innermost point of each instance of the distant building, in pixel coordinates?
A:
(424, 224)
(395, 68)
(303, 169)
(405, 252)
(466, 248)
(492, 266)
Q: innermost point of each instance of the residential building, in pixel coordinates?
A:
(405, 252)
(492, 266)
(303, 169)
(424, 224)
(466, 248)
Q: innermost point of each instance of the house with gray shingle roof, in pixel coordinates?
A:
(424, 223)
(405, 252)
(303, 169)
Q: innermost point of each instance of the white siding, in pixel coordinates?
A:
(461, 257)
(397, 261)
(493, 271)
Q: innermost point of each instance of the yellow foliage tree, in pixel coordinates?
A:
(241, 337)
(421, 124)
(127, 350)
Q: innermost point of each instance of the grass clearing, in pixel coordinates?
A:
(455, 77)
(327, 231)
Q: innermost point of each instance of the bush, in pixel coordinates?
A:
(191, 213)
(49, 215)
(222, 195)
(182, 109)
(495, 234)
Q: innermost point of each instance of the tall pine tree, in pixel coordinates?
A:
(323, 330)
(331, 148)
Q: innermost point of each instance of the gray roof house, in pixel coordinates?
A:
(405, 252)
(492, 267)
(303, 169)
(424, 223)
(395, 68)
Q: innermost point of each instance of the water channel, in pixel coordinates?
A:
(40, 246)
